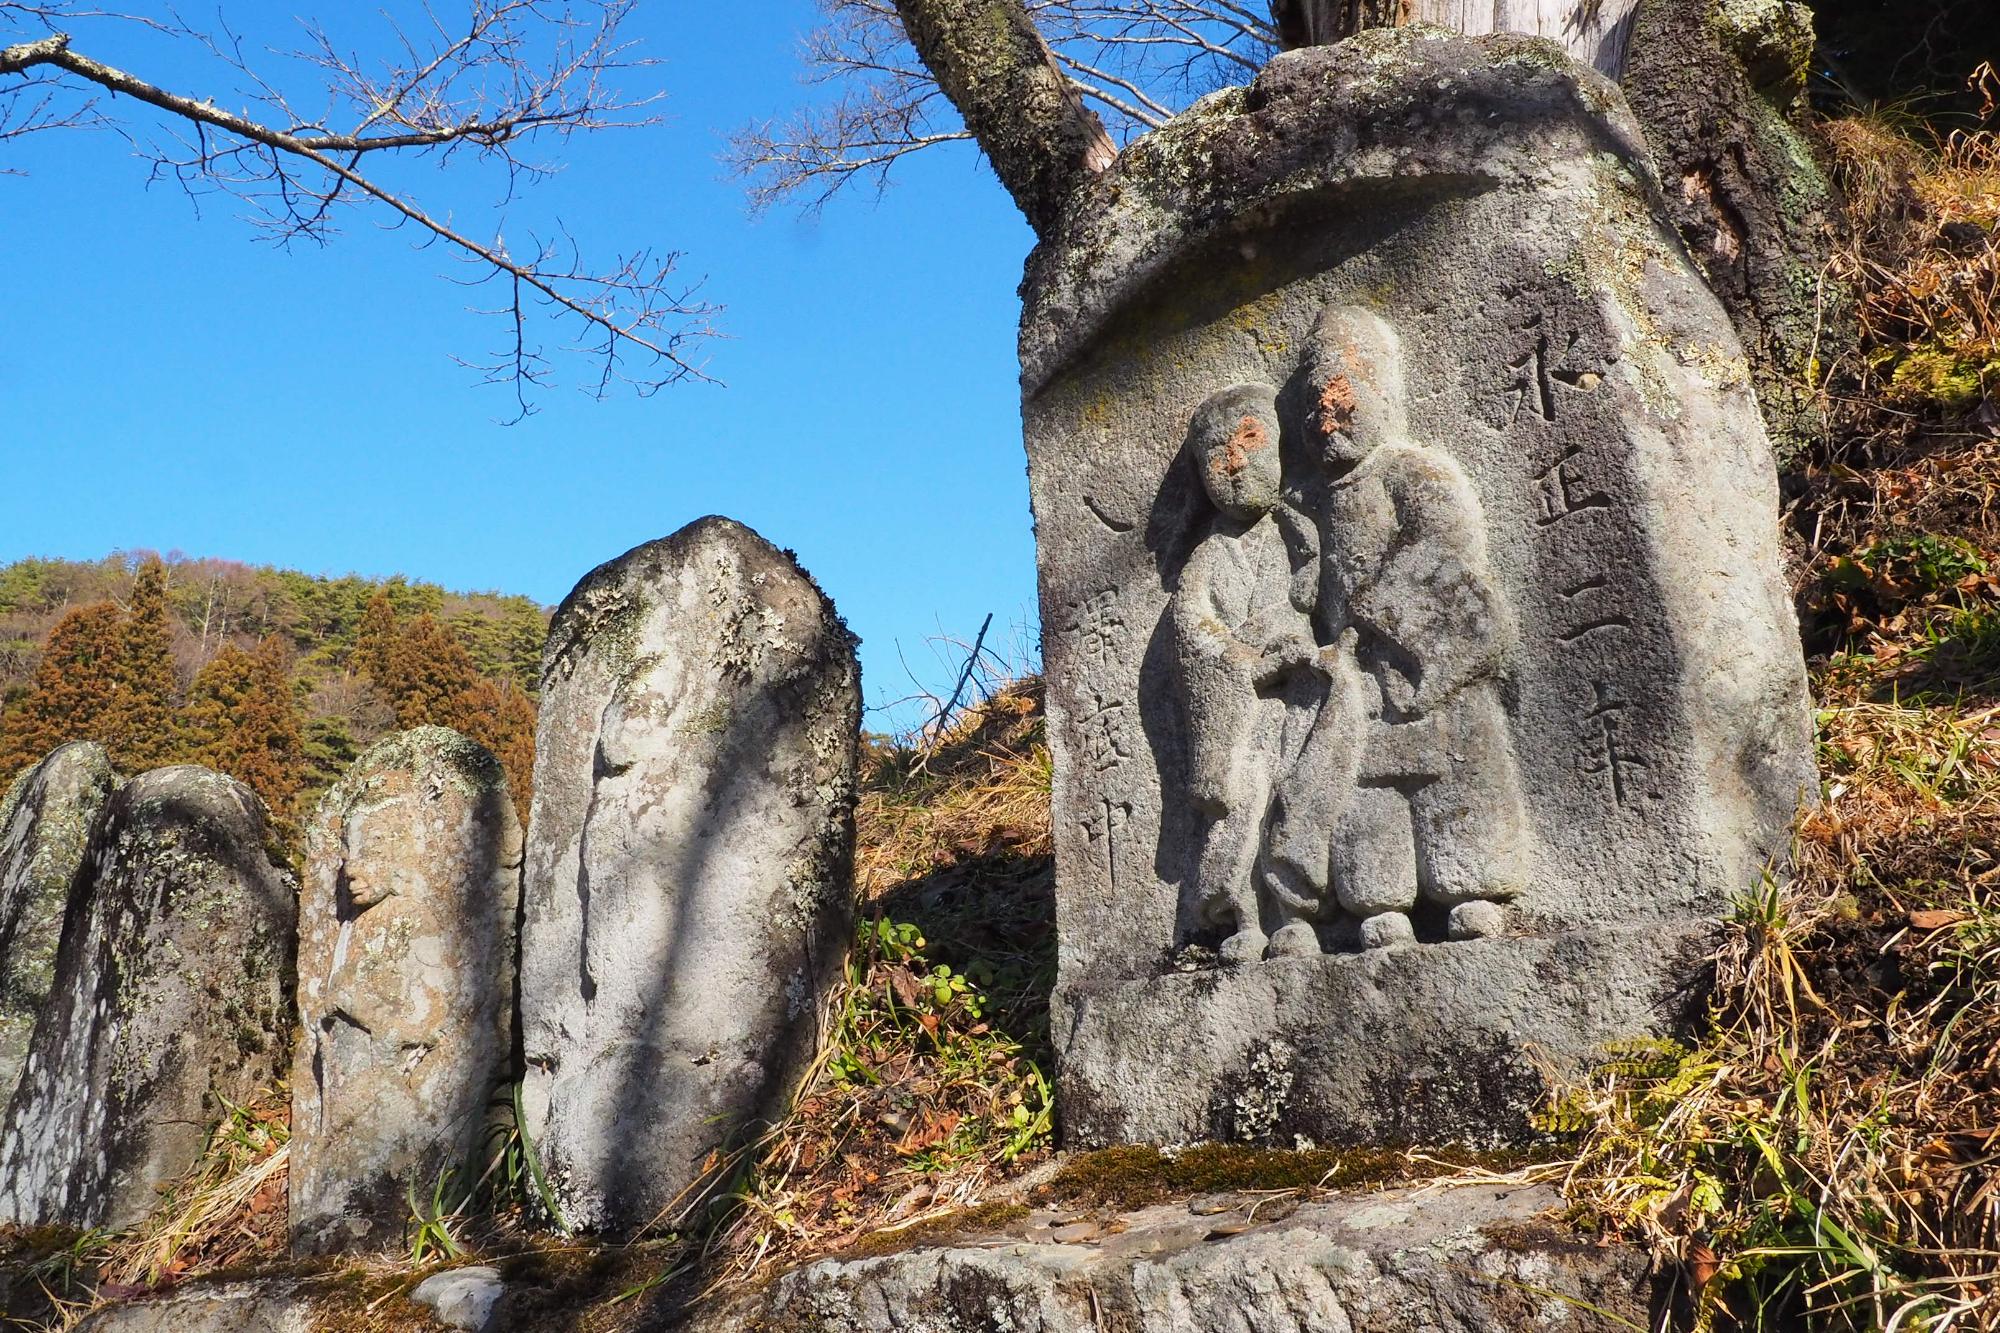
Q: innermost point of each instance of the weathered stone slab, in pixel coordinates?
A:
(688, 865)
(1479, 1260)
(172, 994)
(1421, 672)
(331, 1303)
(406, 985)
(45, 824)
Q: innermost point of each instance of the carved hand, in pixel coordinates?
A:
(1337, 659)
(1291, 653)
(1405, 695)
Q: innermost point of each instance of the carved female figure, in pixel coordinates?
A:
(1242, 643)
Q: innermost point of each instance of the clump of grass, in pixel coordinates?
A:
(1925, 262)
(48, 1275)
(460, 1212)
(228, 1211)
(918, 1105)
(1828, 1154)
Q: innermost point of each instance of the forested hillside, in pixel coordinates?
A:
(276, 677)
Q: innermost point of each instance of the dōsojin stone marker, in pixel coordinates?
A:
(406, 985)
(1422, 680)
(46, 820)
(171, 1000)
(687, 891)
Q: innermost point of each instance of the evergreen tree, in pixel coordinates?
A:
(375, 641)
(429, 669)
(71, 695)
(243, 719)
(330, 750)
(501, 718)
(141, 727)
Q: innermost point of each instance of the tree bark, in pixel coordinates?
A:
(994, 65)
(1714, 84)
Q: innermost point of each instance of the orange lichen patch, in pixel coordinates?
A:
(1251, 436)
(1336, 405)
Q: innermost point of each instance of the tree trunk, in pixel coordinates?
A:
(1593, 31)
(994, 65)
(1714, 83)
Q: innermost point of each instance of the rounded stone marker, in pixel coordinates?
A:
(45, 824)
(1511, 626)
(406, 980)
(171, 998)
(687, 888)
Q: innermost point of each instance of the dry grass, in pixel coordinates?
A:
(1829, 1150)
(1827, 1154)
(1924, 260)
(229, 1211)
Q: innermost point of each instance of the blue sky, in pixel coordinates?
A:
(170, 381)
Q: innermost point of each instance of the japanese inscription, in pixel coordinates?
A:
(1103, 738)
(1095, 622)
(1566, 492)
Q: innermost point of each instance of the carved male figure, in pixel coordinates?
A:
(1435, 811)
(1242, 642)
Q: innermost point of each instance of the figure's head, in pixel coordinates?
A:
(1234, 444)
(376, 855)
(1354, 385)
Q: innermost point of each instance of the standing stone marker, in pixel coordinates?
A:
(171, 994)
(406, 984)
(1421, 674)
(688, 865)
(45, 824)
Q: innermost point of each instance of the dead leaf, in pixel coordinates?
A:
(1702, 1265)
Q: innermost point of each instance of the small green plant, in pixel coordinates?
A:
(431, 1219)
(524, 1165)
(1907, 566)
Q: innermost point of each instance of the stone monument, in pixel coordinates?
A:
(688, 863)
(1422, 680)
(45, 824)
(171, 996)
(406, 985)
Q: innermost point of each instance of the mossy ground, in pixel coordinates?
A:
(1120, 1179)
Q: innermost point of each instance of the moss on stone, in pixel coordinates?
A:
(1131, 1177)
(983, 1217)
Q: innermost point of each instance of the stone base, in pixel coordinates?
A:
(1421, 1043)
(266, 1305)
(1475, 1260)
(1470, 1258)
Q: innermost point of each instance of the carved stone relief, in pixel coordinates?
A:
(1349, 753)
(1421, 673)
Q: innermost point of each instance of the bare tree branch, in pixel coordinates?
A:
(501, 75)
(1134, 62)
